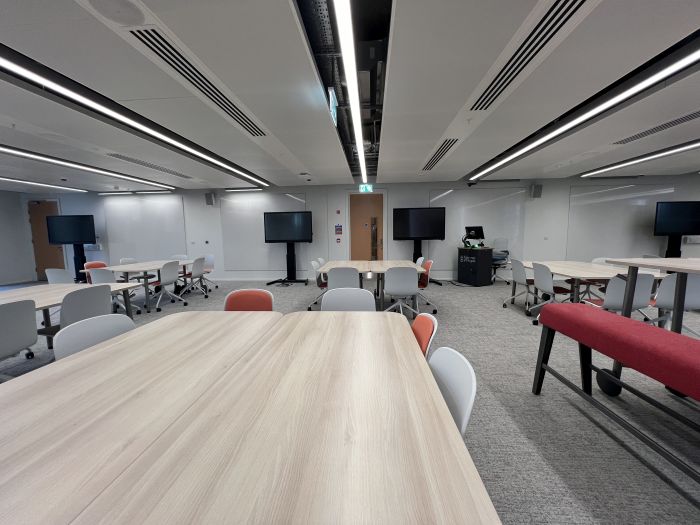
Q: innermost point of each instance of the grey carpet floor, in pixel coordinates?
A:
(544, 459)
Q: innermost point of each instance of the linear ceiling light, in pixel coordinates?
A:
(650, 81)
(152, 192)
(116, 193)
(43, 185)
(74, 165)
(343, 17)
(63, 91)
(237, 190)
(644, 158)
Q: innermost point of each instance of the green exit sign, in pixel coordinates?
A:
(366, 188)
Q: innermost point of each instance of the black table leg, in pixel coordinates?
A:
(127, 303)
(679, 302)
(47, 324)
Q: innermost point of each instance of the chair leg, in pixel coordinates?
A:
(546, 341)
(512, 292)
(315, 301)
(584, 353)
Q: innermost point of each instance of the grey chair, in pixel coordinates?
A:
(320, 282)
(666, 294)
(520, 278)
(208, 268)
(102, 276)
(499, 258)
(58, 276)
(89, 332)
(544, 283)
(348, 300)
(457, 382)
(169, 274)
(196, 277)
(402, 284)
(343, 278)
(18, 328)
(87, 302)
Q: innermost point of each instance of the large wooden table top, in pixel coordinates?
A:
(583, 270)
(145, 266)
(48, 295)
(670, 264)
(371, 266)
(328, 417)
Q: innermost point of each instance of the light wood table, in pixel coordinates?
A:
(378, 267)
(72, 428)
(46, 296)
(333, 417)
(144, 268)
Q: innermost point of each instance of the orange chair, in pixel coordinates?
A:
(424, 327)
(423, 281)
(91, 265)
(251, 300)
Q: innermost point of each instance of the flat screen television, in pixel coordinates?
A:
(288, 226)
(416, 224)
(71, 229)
(677, 218)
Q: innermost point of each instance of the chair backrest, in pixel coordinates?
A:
(127, 260)
(102, 276)
(544, 281)
(169, 273)
(17, 326)
(424, 327)
(87, 302)
(92, 264)
(58, 276)
(401, 281)
(457, 382)
(519, 272)
(317, 274)
(343, 278)
(615, 292)
(667, 291)
(197, 268)
(424, 278)
(249, 300)
(500, 244)
(89, 332)
(420, 260)
(348, 300)
(209, 262)
(321, 261)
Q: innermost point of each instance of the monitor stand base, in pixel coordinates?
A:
(288, 282)
(291, 270)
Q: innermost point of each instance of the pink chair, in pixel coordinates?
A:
(250, 300)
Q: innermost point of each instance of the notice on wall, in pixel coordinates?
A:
(339, 229)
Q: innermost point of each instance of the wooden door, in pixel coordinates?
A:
(45, 255)
(367, 227)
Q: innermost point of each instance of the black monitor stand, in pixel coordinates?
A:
(418, 252)
(673, 249)
(79, 262)
(291, 269)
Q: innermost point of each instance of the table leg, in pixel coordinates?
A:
(361, 284)
(512, 292)
(127, 303)
(575, 291)
(145, 292)
(47, 324)
(380, 285)
(679, 303)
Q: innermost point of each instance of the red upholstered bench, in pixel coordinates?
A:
(670, 358)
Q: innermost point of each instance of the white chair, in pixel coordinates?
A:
(520, 278)
(343, 278)
(401, 284)
(196, 277)
(208, 268)
(321, 261)
(89, 332)
(666, 293)
(456, 379)
(58, 276)
(127, 260)
(348, 300)
(169, 274)
(615, 294)
(18, 328)
(420, 260)
(544, 283)
(102, 276)
(87, 302)
(320, 282)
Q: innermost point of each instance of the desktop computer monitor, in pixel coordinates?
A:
(474, 233)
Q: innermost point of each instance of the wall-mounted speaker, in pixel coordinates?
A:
(535, 191)
(210, 198)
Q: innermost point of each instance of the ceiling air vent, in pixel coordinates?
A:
(158, 44)
(440, 153)
(558, 15)
(148, 165)
(660, 127)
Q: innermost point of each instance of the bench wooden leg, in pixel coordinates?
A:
(546, 341)
(584, 353)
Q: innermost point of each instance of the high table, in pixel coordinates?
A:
(316, 417)
(144, 268)
(378, 267)
(46, 296)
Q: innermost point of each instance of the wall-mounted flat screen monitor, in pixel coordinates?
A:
(71, 229)
(288, 226)
(415, 224)
(677, 218)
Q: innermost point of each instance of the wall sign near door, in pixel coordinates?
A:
(339, 229)
(366, 188)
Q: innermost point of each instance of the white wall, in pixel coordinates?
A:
(574, 219)
(16, 251)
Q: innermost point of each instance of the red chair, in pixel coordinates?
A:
(424, 280)
(91, 265)
(249, 301)
(424, 327)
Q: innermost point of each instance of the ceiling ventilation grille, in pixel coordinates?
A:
(440, 153)
(560, 13)
(660, 127)
(157, 43)
(148, 165)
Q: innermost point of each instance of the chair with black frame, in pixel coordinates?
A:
(500, 258)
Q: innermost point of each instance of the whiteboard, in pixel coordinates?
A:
(146, 227)
(243, 229)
